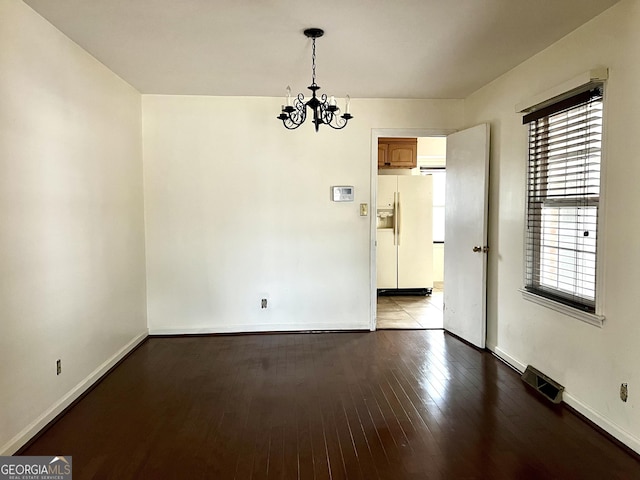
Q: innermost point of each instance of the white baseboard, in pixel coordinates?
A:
(517, 364)
(607, 425)
(17, 442)
(254, 329)
(611, 428)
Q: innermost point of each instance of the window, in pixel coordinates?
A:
(439, 181)
(563, 196)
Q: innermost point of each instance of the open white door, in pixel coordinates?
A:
(465, 253)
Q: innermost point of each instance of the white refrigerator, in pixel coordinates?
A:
(404, 254)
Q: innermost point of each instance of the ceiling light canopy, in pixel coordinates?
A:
(325, 111)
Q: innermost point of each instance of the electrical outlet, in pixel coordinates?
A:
(58, 367)
(624, 392)
(263, 303)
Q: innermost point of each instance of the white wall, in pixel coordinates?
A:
(438, 262)
(237, 208)
(590, 362)
(71, 237)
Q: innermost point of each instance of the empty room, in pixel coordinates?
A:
(198, 201)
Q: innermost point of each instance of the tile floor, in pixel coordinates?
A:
(411, 312)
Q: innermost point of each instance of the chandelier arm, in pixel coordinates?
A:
(337, 126)
(303, 112)
(296, 114)
(325, 113)
(327, 116)
(289, 125)
(300, 103)
(340, 121)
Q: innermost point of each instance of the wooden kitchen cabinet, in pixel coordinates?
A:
(383, 149)
(397, 152)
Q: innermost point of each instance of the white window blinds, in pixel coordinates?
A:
(563, 193)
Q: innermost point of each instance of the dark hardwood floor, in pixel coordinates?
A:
(383, 405)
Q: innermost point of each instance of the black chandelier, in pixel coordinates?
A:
(324, 111)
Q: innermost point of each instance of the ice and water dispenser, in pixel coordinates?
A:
(384, 217)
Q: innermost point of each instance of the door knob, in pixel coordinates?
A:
(477, 249)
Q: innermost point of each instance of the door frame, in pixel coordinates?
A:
(373, 201)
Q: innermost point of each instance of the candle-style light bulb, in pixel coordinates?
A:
(288, 96)
(332, 100)
(346, 108)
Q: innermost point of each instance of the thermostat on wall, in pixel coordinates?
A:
(343, 193)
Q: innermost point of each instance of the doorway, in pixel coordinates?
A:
(410, 308)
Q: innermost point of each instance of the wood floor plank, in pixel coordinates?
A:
(303, 441)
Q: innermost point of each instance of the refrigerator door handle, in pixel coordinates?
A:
(398, 219)
(395, 218)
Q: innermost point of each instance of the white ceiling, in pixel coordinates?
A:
(371, 48)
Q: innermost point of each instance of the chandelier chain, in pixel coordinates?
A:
(313, 63)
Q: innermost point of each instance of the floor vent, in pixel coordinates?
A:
(550, 389)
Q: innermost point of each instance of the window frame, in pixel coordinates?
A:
(537, 295)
